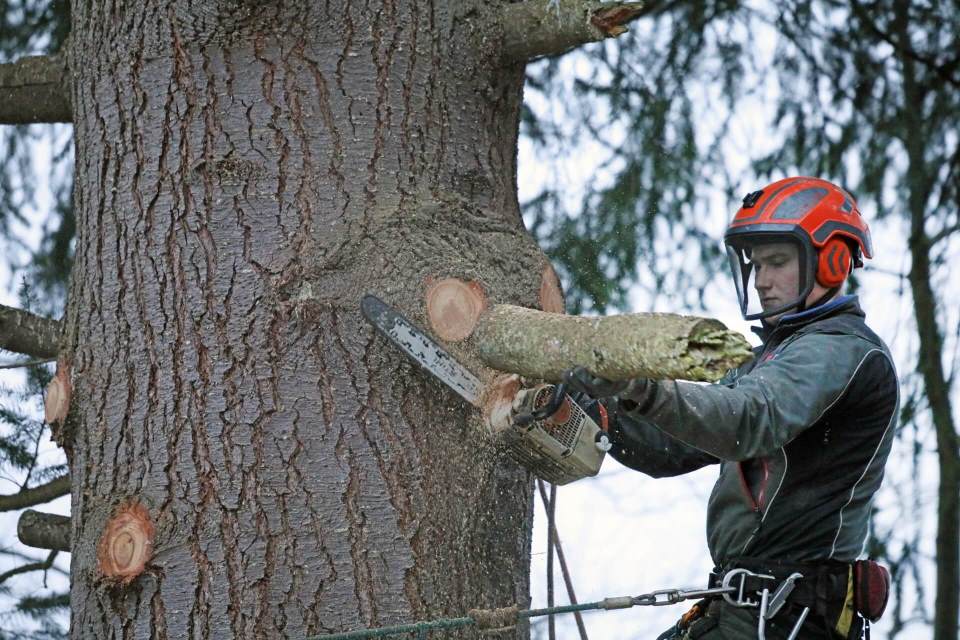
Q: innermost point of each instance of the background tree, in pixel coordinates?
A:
(865, 93)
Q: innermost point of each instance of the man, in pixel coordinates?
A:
(801, 432)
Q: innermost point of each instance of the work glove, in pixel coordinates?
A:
(581, 380)
(630, 393)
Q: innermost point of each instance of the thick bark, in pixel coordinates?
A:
(26, 333)
(245, 172)
(930, 365)
(34, 89)
(36, 495)
(542, 345)
(549, 27)
(44, 530)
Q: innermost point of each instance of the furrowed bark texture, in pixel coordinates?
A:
(550, 27)
(542, 345)
(34, 89)
(32, 335)
(44, 530)
(244, 173)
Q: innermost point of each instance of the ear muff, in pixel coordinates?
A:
(833, 263)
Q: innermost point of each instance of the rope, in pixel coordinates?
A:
(581, 628)
(551, 507)
(496, 617)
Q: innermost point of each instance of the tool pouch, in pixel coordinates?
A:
(871, 588)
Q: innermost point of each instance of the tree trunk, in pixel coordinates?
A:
(249, 458)
(920, 177)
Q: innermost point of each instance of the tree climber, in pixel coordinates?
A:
(801, 432)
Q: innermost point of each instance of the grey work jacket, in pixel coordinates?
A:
(801, 434)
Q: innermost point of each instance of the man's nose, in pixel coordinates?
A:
(762, 281)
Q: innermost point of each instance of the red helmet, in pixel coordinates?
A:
(818, 216)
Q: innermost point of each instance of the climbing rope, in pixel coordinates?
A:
(485, 619)
(493, 620)
(554, 536)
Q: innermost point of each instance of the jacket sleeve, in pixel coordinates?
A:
(641, 446)
(764, 409)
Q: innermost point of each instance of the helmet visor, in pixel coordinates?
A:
(771, 276)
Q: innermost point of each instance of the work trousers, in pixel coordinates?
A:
(725, 622)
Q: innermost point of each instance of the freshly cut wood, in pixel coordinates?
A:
(56, 405)
(551, 295)
(126, 544)
(542, 345)
(454, 306)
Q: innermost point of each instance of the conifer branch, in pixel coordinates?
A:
(44, 530)
(35, 89)
(549, 27)
(37, 495)
(26, 333)
(27, 568)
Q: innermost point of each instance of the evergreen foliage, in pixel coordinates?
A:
(866, 94)
(21, 434)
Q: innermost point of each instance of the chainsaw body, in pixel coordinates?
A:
(560, 448)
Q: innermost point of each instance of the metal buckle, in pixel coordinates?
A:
(741, 599)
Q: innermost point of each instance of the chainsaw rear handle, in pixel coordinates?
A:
(553, 405)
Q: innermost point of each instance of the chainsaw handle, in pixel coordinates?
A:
(558, 395)
(553, 405)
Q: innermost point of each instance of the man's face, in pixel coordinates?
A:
(777, 275)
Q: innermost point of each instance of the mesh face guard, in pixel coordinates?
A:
(742, 268)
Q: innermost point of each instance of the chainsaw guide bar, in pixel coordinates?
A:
(557, 440)
(421, 349)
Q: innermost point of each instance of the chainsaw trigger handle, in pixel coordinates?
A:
(553, 404)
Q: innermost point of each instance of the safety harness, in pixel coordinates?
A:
(847, 597)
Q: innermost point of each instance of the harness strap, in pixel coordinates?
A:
(823, 587)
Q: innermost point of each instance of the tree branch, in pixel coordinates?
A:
(542, 345)
(27, 568)
(24, 332)
(550, 27)
(944, 233)
(34, 89)
(44, 530)
(37, 495)
(944, 71)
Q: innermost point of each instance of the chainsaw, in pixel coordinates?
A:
(546, 430)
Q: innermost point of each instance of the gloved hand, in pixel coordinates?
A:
(631, 393)
(581, 380)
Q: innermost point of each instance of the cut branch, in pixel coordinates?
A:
(542, 345)
(44, 530)
(37, 495)
(34, 89)
(26, 333)
(550, 27)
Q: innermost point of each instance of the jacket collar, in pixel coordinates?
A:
(792, 321)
